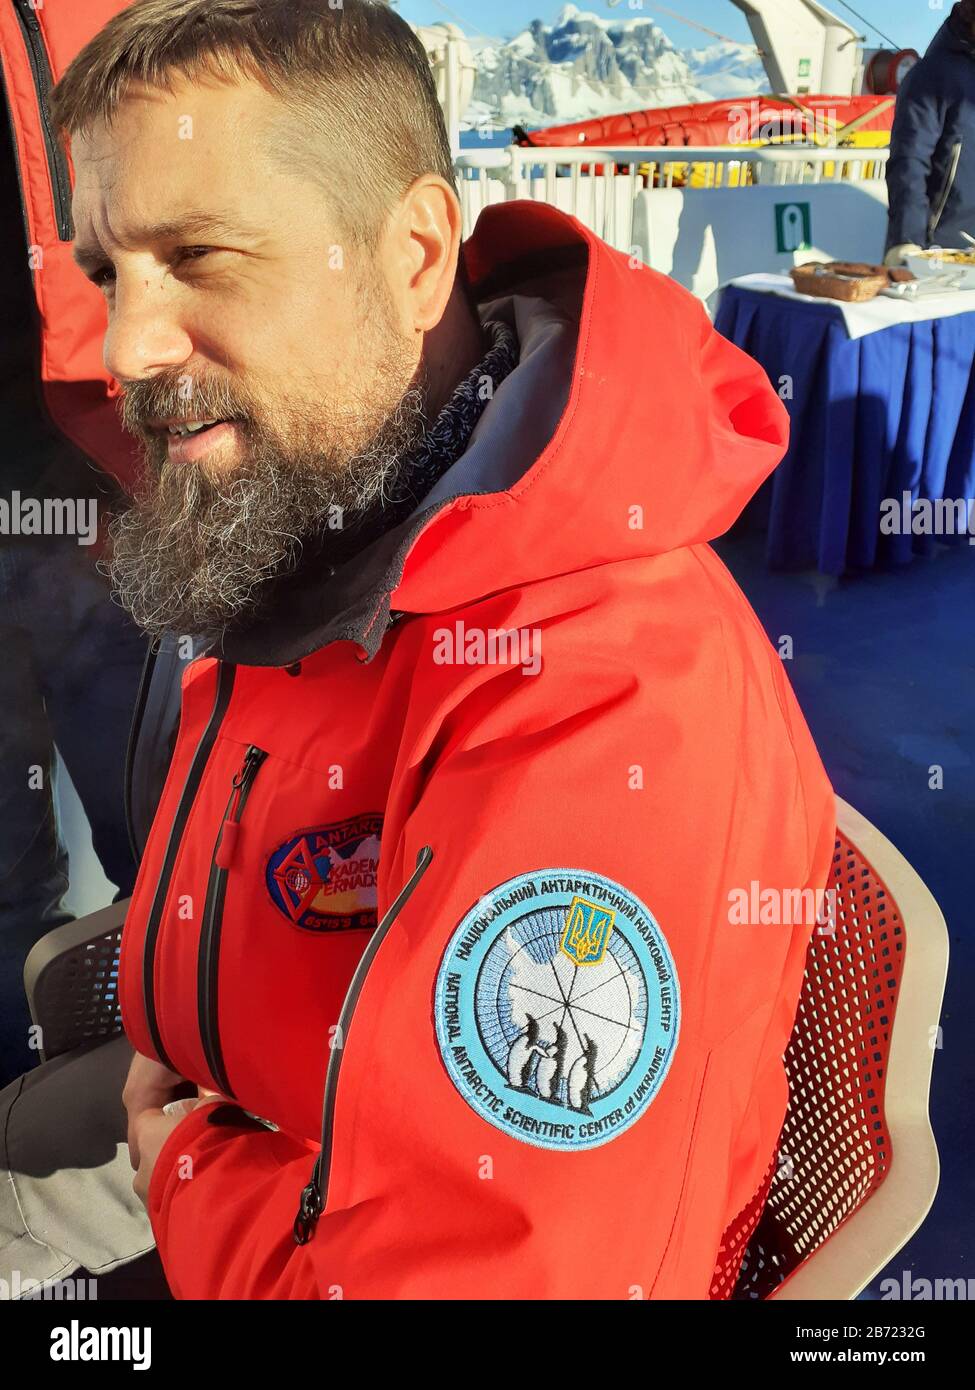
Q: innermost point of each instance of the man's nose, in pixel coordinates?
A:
(144, 336)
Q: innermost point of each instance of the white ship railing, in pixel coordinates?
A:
(600, 185)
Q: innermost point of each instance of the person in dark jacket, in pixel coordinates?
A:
(931, 171)
(71, 659)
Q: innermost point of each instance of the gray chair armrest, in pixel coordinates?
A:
(71, 980)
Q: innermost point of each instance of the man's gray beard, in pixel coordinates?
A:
(193, 557)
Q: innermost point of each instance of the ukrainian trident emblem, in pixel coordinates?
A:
(586, 934)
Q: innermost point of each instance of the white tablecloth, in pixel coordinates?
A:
(873, 314)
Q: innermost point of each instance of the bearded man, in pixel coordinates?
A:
(484, 740)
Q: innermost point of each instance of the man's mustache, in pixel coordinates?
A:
(177, 398)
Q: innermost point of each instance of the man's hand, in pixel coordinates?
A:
(897, 255)
(148, 1087)
(151, 1129)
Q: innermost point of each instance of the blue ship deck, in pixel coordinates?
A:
(884, 668)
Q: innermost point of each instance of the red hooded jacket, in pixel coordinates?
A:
(542, 707)
(37, 42)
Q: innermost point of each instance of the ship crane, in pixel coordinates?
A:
(806, 48)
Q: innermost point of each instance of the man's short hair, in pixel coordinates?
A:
(365, 119)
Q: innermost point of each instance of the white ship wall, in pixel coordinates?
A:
(705, 237)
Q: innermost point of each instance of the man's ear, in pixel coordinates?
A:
(425, 245)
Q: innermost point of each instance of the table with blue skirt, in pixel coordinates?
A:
(881, 417)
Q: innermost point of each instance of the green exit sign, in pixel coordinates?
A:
(793, 227)
(805, 67)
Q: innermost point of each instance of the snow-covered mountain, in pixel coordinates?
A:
(584, 65)
(727, 70)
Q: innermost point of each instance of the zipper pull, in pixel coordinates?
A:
(309, 1208)
(230, 830)
(30, 17)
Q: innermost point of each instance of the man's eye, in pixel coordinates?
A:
(191, 253)
(105, 274)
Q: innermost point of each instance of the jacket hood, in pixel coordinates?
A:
(954, 36)
(628, 428)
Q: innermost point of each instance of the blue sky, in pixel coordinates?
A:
(907, 23)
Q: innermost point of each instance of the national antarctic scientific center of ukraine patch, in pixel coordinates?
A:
(557, 1008)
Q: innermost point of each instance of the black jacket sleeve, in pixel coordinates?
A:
(918, 127)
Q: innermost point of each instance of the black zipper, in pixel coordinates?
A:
(135, 728)
(43, 82)
(225, 685)
(37, 329)
(209, 957)
(952, 174)
(315, 1193)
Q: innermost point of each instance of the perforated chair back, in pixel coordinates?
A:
(857, 1166)
(71, 980)
(71, 975)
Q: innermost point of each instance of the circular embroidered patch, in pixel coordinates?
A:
(557, 1008)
